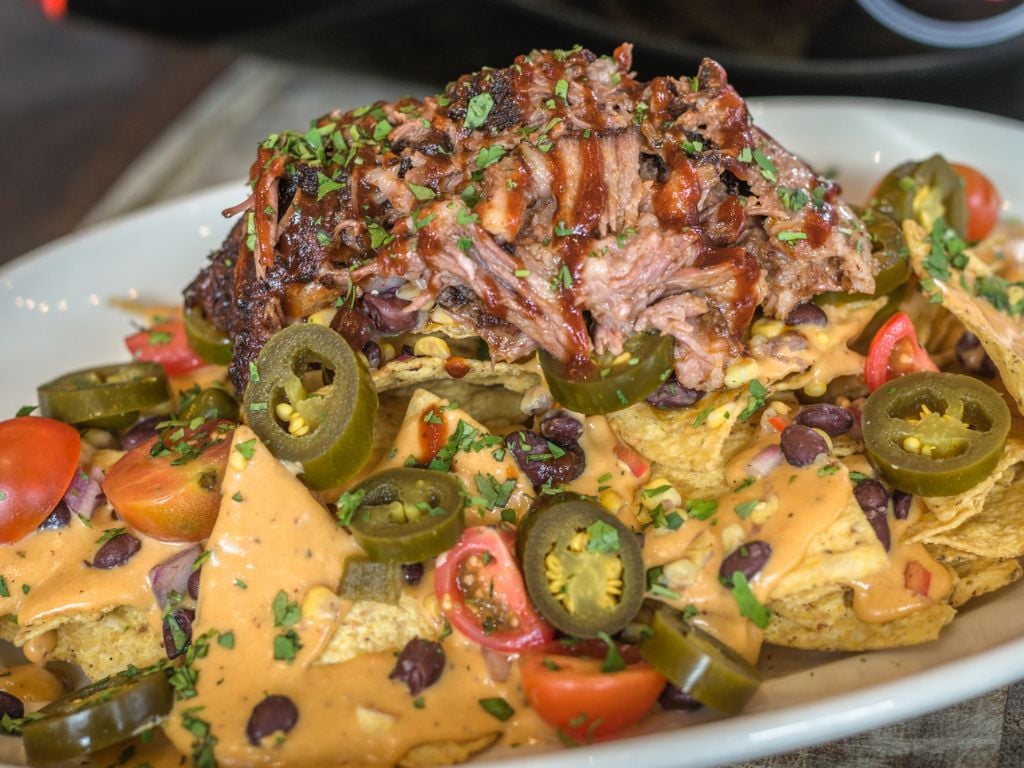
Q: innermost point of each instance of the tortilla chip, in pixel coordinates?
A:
(103, 645)
(689, 446)
(416, 370)
(946, 513)
(997, 532)
(435, 753)
(372, 627)
(828, 623)
(842, 553)
(975, 576)
(1001, 335)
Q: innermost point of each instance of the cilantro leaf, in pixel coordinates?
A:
(478, 109)
(602, 537)
(748, 603)
(758, 393)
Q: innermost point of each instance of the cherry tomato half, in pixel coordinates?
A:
(38, 459)
(895, 352)
(983, 202)
(165, 343)
(175, 495)
(481, 592)
(566, 687)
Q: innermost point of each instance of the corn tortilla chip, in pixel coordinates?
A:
(417, 370)
(436, 753)
(1001, 334)
(975, 576)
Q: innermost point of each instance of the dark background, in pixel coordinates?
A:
(81, 96)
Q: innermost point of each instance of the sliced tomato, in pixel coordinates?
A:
(917, 578)
(566, 687)
(895, 352)
(169, 487)
(38, 459)
(481, 591)
(637, 464)
(167, 344)
(983, 202)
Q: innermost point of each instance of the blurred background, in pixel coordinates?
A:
(106, 105)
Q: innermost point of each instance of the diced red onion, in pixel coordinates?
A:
(856, 432)
(172, 574)
(84, 494)
(143, 430)
(765, 461)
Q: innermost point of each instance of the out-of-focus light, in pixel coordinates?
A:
(54, 9)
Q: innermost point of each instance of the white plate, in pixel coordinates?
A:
(54, 316)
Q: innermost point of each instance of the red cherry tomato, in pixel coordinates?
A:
(481, 592)
(895, 352)
(983, 202)
(175, 495)
(567, 688)
(167, 344)
(38, 459)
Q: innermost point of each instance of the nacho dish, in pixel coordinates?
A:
(517, 416)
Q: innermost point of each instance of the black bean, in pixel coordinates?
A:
(748, 559)
(177, 642)
(901, 504)
(59, 518)
(388, 313)
(672, 697)
(116, 551)
(561, 428)
(973, 358)
(539, 461)
(419, 665)
(831, 419)
(671, 394)
(141, 431)
(373, 354)
(807, 313)
(193, 583)
(275, 713)
(802, 445)
(353, 326)
(412, 573)
(11, 705)
(874, 500)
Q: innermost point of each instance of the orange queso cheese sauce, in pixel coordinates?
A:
(272, 537)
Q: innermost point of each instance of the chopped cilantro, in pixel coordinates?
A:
(4, 591)
(26, 410)
(858, 476)
(562, 90)
(602, 537)
(246, 448)
(477, 110)
(613, 661)
(420, 192)
(347, 505)
(488, 156)
(497, 708)
(326, 185)
(745, 155)
(768, 169)
(493, 493)
(790, 236)
(758, 393)
(743, 510)
(701, 509)
(748, 603)
(286, 613)
(226, 640)
(286, 646)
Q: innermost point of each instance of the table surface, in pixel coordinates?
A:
(211, 142)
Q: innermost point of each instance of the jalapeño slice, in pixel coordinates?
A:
(329, 431)
(583, 568)
(408, 515)
(365, 579)
(924, 191)
(698, 664)
(107, 397)
(205, 339)
(935, 434)
(97, 716)
(611, 382)
(214, 403)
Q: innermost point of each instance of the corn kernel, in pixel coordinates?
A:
(373, 721)
(440, 317)
(669, 497)
(780, 408)
(911, 444)
(732, 536)
(408, 292)
(622, 358)
(767, 328)
(763, 511)
(823, 338)
(324, 316)
(320, 604)
(283, 411)
(815, 389)
(739, 373)
(237, 461)
(826, 437)
(99, 438)
(610, 500)
(718, 417)
(296, 423)
(431, 346)
(387, 352)
(680, 573)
